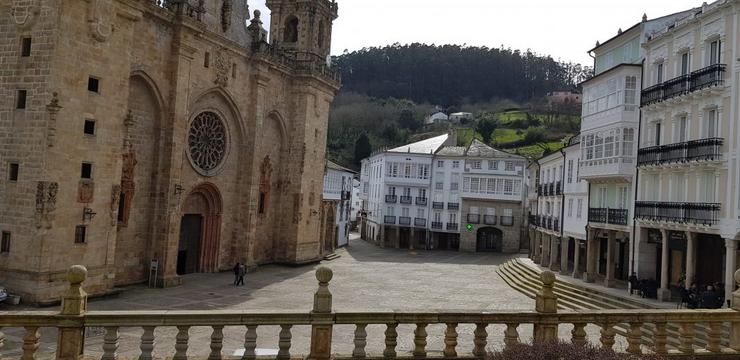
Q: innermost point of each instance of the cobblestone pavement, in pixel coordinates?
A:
(366, 278)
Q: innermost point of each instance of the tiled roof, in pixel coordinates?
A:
(451, 151)
(334, 166)
(427, 146)
(479, 149)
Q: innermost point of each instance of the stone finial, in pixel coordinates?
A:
(74, 301)
(644, 17)
(255, 28)
(547, 278)
(597, 43)
(76, 274)
(322, 297)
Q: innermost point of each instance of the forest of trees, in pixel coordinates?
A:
(454, 75)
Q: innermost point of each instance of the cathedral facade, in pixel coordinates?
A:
(148, 139)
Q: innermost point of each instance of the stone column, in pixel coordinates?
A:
(730, 268)
(591, 248)
(321, 327)
(545, 259)
(690, 259)
(564, 244)
(397, 240)
(71, 336)
(611, 243)
(537, 243)
(577, 259)
(412, 238)
(555, 253)
(664, 293)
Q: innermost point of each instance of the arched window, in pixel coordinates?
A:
(290, 34)
(320, 41)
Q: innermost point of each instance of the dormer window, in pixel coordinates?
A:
(290, 34)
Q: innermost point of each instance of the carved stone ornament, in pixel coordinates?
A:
(51, 129)
(115, 198)
(26, 13)
(265, 174)
(207, 143)
(222, 68)
(226, 9)
(85, 191)
(99, 30)
(46, 201)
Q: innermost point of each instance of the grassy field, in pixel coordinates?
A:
(505, 136)
(535, 151)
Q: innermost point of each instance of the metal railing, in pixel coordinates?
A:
(474, 218)
(406, 200)
(389, 219)
(453, 206)
(436, 225)
(678, 212)
(666, 327)
(404, 220)
(438, 205)
(709, 149)
(422, 201)
(391, 199)
(420, 222)
(608, 216)
(712, 75)
(507, 220)
(489, 219)
(452, 226)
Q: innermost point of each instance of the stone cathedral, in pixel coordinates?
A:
(148, 139)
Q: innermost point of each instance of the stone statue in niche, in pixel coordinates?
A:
(115, 198)
(85, 191)
(222, 68)
(53, 108)
(128, 186)
(46, 200)
(226, 15)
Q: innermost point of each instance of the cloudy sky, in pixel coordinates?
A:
(565, 29)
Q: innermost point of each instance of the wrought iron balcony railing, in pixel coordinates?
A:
(389, 219)
(420, 222)
(597, 215)
(474, 218)
(438, 205)
(489, 219)
(709, 149)
(406, 199)
(608, 216)
(556, 224)
(422, 201)
(436, 225)
(452, 226)
(678, 212)
(404, 220)
(391, 199)
(712, 75)
(453, 206)
(558, 188)
(534, 220)
(507, 220)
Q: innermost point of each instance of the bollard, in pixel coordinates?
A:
(70, 341)
(735, 327)
(322, 318)
(546, 303)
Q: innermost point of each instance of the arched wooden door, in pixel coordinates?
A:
(200, 231)
(489, 239)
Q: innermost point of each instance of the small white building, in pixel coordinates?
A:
(459, 116)
(337, 197)
(356, 201)
(436, 118)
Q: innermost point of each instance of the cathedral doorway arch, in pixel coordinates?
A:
(489, 239)
(200, 231)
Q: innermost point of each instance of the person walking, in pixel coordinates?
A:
(236, 273)
(240, 278)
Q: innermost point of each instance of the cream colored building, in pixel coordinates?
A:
(139, 136)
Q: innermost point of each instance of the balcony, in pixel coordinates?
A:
(452, 226)
(406, 199)
(534, 220)
(597, 215)
(404, 220)
(420, 222)
(346, 195)
(695, 150)
(436, 225)
(489, 219)
(453, 206)
(619, 167)
(706, 214)
(608, 216)
(558, 188)
(540, 190)
(710, 76)
(391, 199)
(555, 224)
(391, 220)
(507, 220)
(421, 201)
(551, 189)
(474, 218)
(438, 205)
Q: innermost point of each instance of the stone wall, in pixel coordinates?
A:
(511, 241)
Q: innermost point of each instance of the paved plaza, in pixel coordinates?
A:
(366, 278)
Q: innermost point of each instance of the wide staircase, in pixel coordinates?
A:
(524, 276)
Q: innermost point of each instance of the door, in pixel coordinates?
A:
(489, 239)
(188, 254)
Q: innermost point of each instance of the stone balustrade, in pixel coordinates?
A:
(641, 325)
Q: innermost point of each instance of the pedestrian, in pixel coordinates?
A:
(242, 271)
(236, 273)
(709, 298)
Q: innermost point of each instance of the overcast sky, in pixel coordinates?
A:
(565, 29)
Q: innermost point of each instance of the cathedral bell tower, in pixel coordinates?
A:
(303, 26)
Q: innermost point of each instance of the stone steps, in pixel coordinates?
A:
(332, 256)
(522, 275)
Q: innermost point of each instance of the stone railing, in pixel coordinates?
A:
(648, 331)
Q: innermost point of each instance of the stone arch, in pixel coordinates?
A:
(290, 29)
(489, 239)
(201, 225)
(225, 104)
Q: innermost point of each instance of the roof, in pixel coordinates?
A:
(476, 149)
(334, 166)
(451, 151)
(613, 68)
(427, 146)
(461, 114)
(615, 37)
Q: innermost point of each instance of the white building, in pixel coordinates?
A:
(575, 212)
(338, 192)
(688, 201)
(459, 116)
(436, 118)
(356, 200)
(548, 218)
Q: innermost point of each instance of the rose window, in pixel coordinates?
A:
(207, 141)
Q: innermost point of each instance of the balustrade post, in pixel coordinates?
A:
(181, 343)
(321, 328)
(147, 343)
(660, 338)
(480, 340)
(578, 334)
(546, 303)
(250, 343)
(607, 335)
(284, 342)
(110, 343)
(511, 335)
(360, 341)
(714, 336)
(217, 342)
(420, 340)
(30, 343)
(2, 342)
(735, 327)
(634, 337)
(391, 336)
(71, 336)
(450, 340)
(686, 338)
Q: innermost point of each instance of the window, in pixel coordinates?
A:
(26, 47)
(20, 101)
(390, 211)
(86, 171)
(437, 216)
(509, 166)
(628, 139)
(80, 234)
(391, 190)
(207, 59)
(407, 192)
(89, 128)
(570, 207)
(261, 204)
(476, 164)
(455, 183)
(570, 171)
(423, 193)
(439, 185)
(13, 169)
(714, 52)
(453, 218)
(710, 124)
(473, 210)
(456, 164)
(622, 197)
(630, 90)
(491, 211)
(659, 73)
(420, 213)
(681, 128)
(405, 212)
(5, 244)
(684, 63)
(710, 181)
(492, 165)
(508, 212)
(579, 210)
(657, 133)
(93, 84)
(440, 163)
